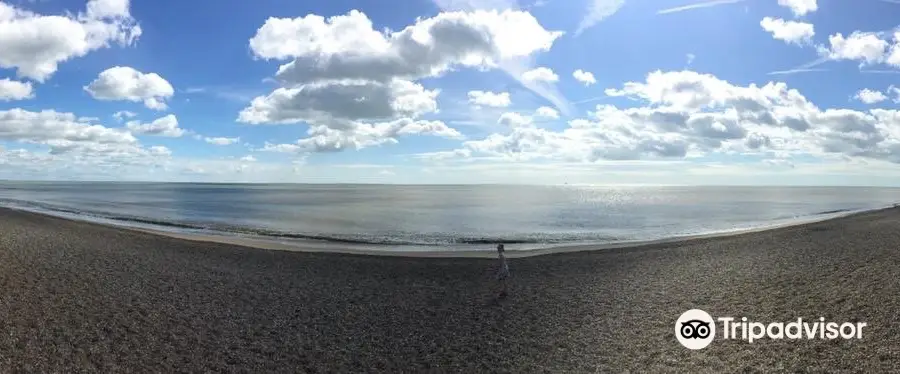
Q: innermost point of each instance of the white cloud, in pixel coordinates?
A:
(513, 119)
(540, 74)
(895, 92)
(13, 90)
(870, 96)
(73, 163)
(248, 158)
(690, 58)
(514, 67)
(355, 86)
(788, 31)
(863, 46)
(340, 105)
(35, 44)
(348, 47)
(893, 56)
(597, 11)
(164, 126)
(688, 113)
(869, 48)
(489, 99)
(221, 140)
(445, 155)
(585, 77)
(48, 125)
(159, 150)
(546, 90)
(123, 114)
(800, 7)
(680, 89)
(362, 135)
(99, 9)
(73, 143)
(546, 112)
(125, 83)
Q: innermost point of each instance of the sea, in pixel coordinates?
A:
(440, 217)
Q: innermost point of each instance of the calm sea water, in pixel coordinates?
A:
(441, 217)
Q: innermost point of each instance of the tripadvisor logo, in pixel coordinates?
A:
(695, 329)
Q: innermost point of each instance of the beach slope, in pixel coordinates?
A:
(77, 296)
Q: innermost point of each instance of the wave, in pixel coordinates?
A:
(432, 239)
(835, 211)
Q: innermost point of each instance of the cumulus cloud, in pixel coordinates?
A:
(75, 142)
(14, 90)
(894, 91)
(546, 112)
(362, 135)
(125, 83)
(513, 119)
(356, 86)
(221, 140)
(340, 105)
(23, 159)
(869, 48)
(489, 99)
(687, 113)
(868, 96)
(866, 47)
(348, 47)
(585, 77)
(166, 126)
(445, 155)
(893, 55)
(514, 67)
(35, 44)
(123, 114)
(800, 7)
(791, 32)
(541, 74)
(99, 9)
(48, 125)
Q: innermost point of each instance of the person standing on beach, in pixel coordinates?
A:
(503, 271)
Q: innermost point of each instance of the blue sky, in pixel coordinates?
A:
(451, 91)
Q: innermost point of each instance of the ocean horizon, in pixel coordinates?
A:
(431, 217)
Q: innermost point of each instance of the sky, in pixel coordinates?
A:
(612, 92)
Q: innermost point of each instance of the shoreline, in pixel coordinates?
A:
(272, 244)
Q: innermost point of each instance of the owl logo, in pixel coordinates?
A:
(695, 329)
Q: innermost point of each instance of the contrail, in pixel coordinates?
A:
(705, 4)
(588, 100)
(794, 71)
(814, 63)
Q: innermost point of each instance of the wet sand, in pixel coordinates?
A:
(76, 296)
